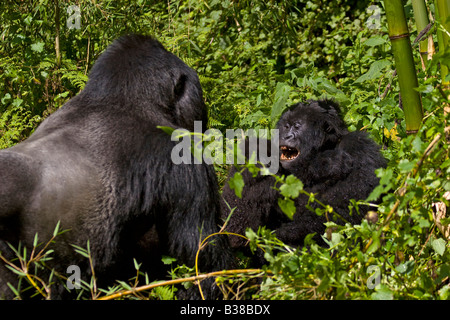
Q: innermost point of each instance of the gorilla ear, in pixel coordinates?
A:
(330, 106)
(333, 125)
(188, 101)
(329, 128)
(180, 87)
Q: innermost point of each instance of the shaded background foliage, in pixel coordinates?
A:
(255, 58)
(252, 45)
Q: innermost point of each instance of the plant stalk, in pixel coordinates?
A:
(404, 63)
(442, 13)
(422, 21)
(57, 26)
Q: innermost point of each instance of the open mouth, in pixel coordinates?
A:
(288, 153)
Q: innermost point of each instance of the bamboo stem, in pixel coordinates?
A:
(421, 18)
(404, 62)
(442, 13)
(57, 24)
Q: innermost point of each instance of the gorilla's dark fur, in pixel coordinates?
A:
(315, 146)
(102, 167)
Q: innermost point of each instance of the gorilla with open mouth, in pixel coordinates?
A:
(335, 164)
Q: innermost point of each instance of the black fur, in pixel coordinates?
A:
(334, 163)
(102, 167)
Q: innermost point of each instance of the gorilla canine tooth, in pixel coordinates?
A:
(288, 153)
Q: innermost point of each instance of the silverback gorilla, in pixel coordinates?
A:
(316, 147)
(101, 167)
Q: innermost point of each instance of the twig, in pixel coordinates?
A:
(202, 245)
(177, 281)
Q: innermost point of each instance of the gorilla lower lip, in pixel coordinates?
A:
(288, 153)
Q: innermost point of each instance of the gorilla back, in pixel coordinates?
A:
(101, 167)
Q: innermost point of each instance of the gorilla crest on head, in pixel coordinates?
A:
(139, 71)
(101, 167)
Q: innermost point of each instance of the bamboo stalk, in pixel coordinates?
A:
(442, 12)
(421, 18)
(404, 63)
(57, 23)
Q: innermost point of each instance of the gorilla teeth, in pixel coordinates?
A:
(288, 153)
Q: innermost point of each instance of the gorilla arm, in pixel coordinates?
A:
(18, 180)
(44, 180)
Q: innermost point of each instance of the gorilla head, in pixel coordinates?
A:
(101, 167)
(306, 130)
(143, 73)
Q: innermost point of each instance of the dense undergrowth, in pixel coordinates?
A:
(255, 58)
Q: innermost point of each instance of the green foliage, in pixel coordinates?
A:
(255, 58)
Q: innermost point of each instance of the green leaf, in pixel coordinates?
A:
(16, 271)
(236, 183)
(282, 91)
(292, 187)
(35, 241)
(137, 265)
(336, 238)
(406, 166)
(287, 206)
(374, 70)
(55, 232)
(406, 267)
(382, 293)
(13, 289)
(418, 145)
(324, 284)
(375, 245)
(168, 130)
(125, 285)
(168, 260)
(37, 47)
(328, 86)
(81, 251)
(439, 246)
(374, 41)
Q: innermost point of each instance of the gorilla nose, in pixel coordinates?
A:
(287, 137)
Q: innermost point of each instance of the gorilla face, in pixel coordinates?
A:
(307, 129)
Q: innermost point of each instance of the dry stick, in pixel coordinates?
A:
(402, 190)
(189, 279)
(203, 244)
(177, 281)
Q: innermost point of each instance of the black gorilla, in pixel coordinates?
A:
(102, 167)
(315, 146)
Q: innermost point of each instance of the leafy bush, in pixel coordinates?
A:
(255, 58)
